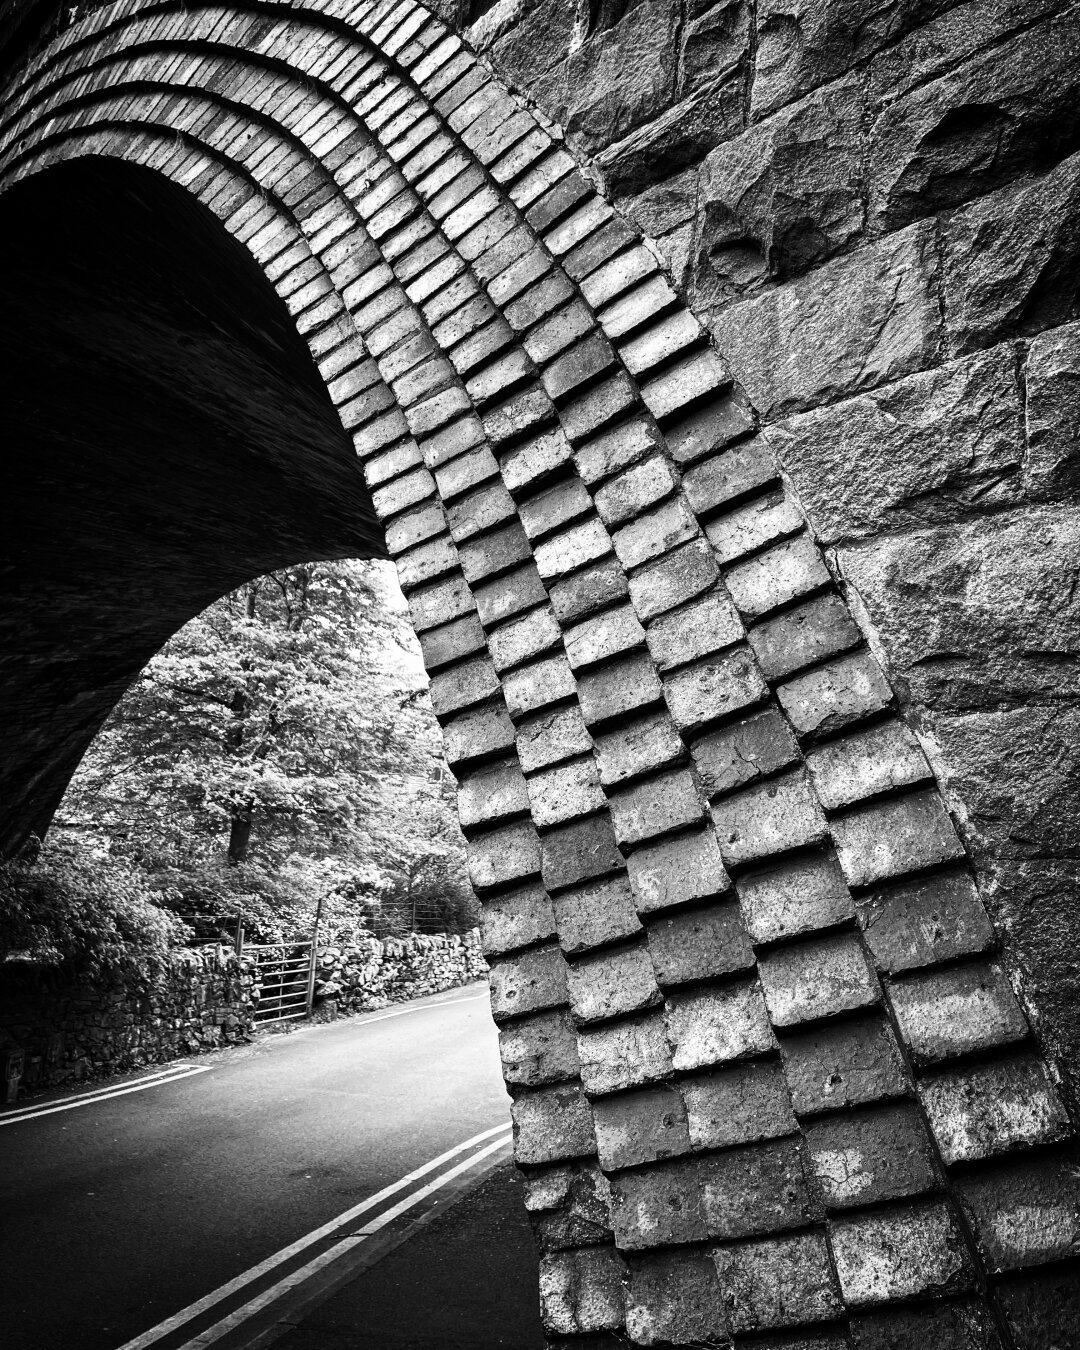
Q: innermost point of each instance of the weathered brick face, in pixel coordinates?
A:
(771, 1075)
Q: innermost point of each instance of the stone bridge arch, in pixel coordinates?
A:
(773, 1084)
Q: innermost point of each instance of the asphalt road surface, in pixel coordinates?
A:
(203, 1204)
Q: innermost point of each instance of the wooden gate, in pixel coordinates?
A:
(285, 972)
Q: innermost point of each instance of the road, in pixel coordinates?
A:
(118, 1214)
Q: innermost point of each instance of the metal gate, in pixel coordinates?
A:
(286, 971)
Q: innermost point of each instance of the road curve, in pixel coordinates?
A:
(120, 1212)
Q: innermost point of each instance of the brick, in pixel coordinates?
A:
(677, 871)
(576, 853)
(796, 896)
(532, 635)
(619, 274)
(491, 793)
(956, 1011)
(780, 813)
(608, 634)
(518, 415)
(582, 1291)
(593, 915)
(727, 477)
(673, 1298)
(699, 629)
(624, 1054)
(538, 302)
(644, 745)
(600, 404)
(636, 305)
(754, 525)
(655, 532)
(538, 457)
(817, 978)
(528, 981)
(580, 364)
(660, 341)
(679, 576)
(557, 332)
(830, 697)
(568, 790)
(782, 573)
(846, 1064)
(699, 944)
(440, 603)
(489, 506)
(658, 1206)
(462, 686)
(964, 1325)
(900, 835)
(897, 1253)
(580, 544)
(618, 688)
(609, 239)
(503, 374)
(481, 731)
(571, 1204)
(778, 1282)
(487, 554)
(713, 689)
(407, 531)
(810, 632)
(535, 686)
(1042, 1310)
(687, 381)
(640, 1127)
(465, 472)
(635, 490)
(612, 984)
(1025, 1212)
(743, 751)
(551, 1124)
(919, 923)
(865, 763)
(715, 1025)
(609, 451)
(987, 1109)
(513, 593)
(868, 1156)
(402, 493)
(451, 642)
(666, 802)
(502, 856)
(555, 507)
(538, 1050)
(738, 1105)
(433, 559)
(755, 1188)
(552, 737)
(597, 586)
(516, 920)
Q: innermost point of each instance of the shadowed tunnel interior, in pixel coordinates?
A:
(168, 437)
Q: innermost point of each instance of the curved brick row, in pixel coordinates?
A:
(770, 1077)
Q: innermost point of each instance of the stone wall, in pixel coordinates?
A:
(372, 974)
(70, 1032)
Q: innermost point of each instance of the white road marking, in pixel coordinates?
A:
(256, 1272)
(305, 1272)
(446, 1003)
(104, 1094)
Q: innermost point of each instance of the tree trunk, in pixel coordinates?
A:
(239, 836)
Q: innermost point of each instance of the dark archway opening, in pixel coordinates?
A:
(168, 437)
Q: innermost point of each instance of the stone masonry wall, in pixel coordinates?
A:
(70, 1032)
(773, 1082)
(373, 973)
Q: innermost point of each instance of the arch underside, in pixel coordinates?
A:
(771, 1077)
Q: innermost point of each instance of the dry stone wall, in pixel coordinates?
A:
(373, 973)
(772, 1081)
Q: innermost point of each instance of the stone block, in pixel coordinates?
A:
(539, 1049)
(741, 752)
(565, 791)
(660, 341)
(778, 1282)
(582, 1291)
(551, 1124)
(673, 1298)
(598, 639)
(712, 1026)
(810, 632)
(579, 364)
(759, 522)
(658, 1206)
(677, 871)
(453, 641)
(612, 983)
(640, 1127)
(534, 459)
(902, 834)
(655, 532)
(688, 380)
(482, 730)
(933, 446)
(868, 1156)
(492, 793)
(717, 423)
(609, 451)
(738, 1105)
(867, 763)
(538, 685)
(846, 1064)
(676, 578)
(987, 1109)
(698, 944)
(756, 1188)
(781, 574)
(487, 554)
(618, 688)
(730, 476)
(663, 803)
(503, 856)
(600, 405)
(508, 595)
(898, 1253)
(441, 603)
(793, 897)
(853, 324)
(516, 920)
(596, 586)
(817, 978)
(485, 508)
(1052, 409)
(698, 629)
(714, 688)
(551, 737)
(578, 852)
(593, 915)
(956, 1011)
(919, 923)
(1025, 1212)
(962, 1325)
(649, 743)
(634, 490)
(1043, 1309)
(528, 981)
(624, 1054)
(773, 816)
(533, 634)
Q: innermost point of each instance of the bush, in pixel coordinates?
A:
(83, 916)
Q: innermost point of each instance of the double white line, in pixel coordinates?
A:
(478, 1148)
(104, 1094)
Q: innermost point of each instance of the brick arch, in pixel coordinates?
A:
(770, 1075)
